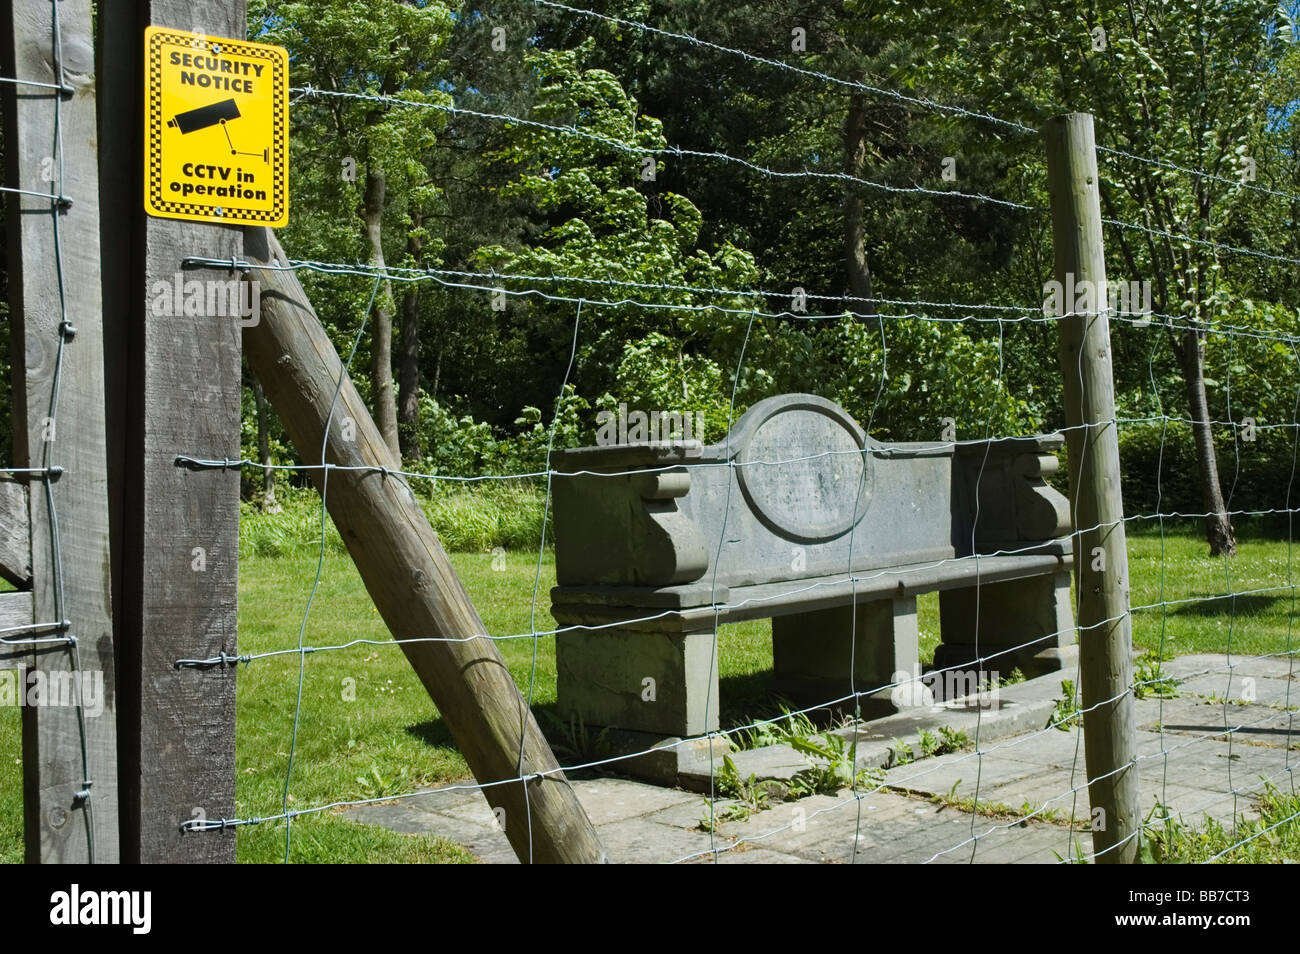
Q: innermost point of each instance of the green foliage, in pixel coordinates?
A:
(506, 514)
(1065, 715)
(478, 518)
(1150, 680)
(834, 766)
(601, 221)
(1272, 838)
(913, 401)
(1011, 679)
(900, 753)
(952, 740)
(929, 743)
(940, 742)
(778, 731)
(752, 792)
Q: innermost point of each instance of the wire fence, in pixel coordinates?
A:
(1157, 598)
(1162, 749)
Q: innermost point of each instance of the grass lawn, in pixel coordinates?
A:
(369, 730)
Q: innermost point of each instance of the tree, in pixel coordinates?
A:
(1185, 82)
(378, 49)
(601, 216)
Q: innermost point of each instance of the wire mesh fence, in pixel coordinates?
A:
(1215, 713)
(1249, 689)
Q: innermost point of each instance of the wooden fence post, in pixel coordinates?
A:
(70, 784)
(1100, 557)
(174, 388)
(410, 579)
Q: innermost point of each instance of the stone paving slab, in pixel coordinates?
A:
(1276, 667)
(959, 776)
(1266, 691)
(636, 841)
(487, 844)
(610, 800)
(1195, 716)
(690, 814)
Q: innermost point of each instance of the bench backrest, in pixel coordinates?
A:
(801, 488)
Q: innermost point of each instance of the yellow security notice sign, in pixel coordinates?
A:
(216, 131)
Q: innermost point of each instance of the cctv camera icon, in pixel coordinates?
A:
(216, 114)
(205, 116)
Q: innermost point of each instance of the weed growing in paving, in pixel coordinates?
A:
(1150, 680)
(1066, 714)
(1273, 838)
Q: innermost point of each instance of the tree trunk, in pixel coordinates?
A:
(1218, 525)
(381, 329)
(408, 359)
(269, 503)
(437, 371)
(855, 157)
(409, 578)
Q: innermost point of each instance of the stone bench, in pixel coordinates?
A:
(805, 494)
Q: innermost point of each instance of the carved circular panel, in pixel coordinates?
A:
(802, 472)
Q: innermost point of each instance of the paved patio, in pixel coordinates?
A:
(1197, 754)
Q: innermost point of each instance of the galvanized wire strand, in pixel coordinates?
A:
(740, 604)
(881, 451)
(537, 578)
(1292, 817)
(1204, 243)
(65, 90)
(896, 95)
(212, 825)
(853, 596)
(777, 64)
(1198, 173)
(1227, 571)
(320, 566)
(57, 200)
(1168, 419)
(1290, 541)
(597, 763)
(979, 710)
(620, 146)
(1164, 610)
(447, 279)
(713, 591)
(895, 785)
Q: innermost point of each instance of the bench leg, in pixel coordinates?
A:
(661, 683)
(811, 653)
(1035, 610)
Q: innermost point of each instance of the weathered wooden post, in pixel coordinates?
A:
(406, 572)
(70, 790)
(174, 388)
(1100, 557)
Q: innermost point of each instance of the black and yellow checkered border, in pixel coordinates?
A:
(279, 154)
